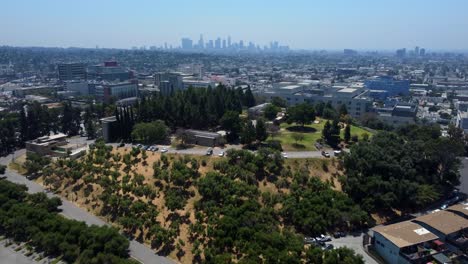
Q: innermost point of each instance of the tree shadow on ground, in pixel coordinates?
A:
(298, 146)
(301, 129)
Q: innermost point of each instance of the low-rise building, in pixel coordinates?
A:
(55, 146)
(398, 115)
(406, 242)
(203, 138)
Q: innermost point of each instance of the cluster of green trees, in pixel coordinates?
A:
(243, 222)
(405, 169)
(150, 133)
(34, 120)
(197, 108)
(33, 218)
(234, 219)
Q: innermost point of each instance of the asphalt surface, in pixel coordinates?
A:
(137, 250)
(353, 242)
(201, 151)
(9, 256)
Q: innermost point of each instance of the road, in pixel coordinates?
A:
(353, 242)
(200, 151)
(69, 210)
(8, 256)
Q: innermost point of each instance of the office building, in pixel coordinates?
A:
(401, 53)
(392, 86)
(79, 87)
(354, 96)
(168, 82)
(71, 71)
(109, 71)
(107, 92)
(187, 44)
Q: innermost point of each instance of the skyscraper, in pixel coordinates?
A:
(201, 44)
(229, 41)
(416, 51)
(187, 43)
(224, 44)
(218, 43)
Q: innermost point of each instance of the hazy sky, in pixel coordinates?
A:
(309, 24)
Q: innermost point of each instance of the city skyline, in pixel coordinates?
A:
(335, 25)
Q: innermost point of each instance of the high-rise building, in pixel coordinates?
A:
(187, 43)
(401, 53)
(224, 44)
(218, 43)
(229, 41)
(416, 51)
(168, 82)
(71, 71)
(241, 44)
(201, 44)
(422, 52)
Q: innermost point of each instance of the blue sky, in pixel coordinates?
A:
(309, 24)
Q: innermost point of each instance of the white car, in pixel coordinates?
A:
(163, 150)
(337, 152)
(285, 155)
(221, 154)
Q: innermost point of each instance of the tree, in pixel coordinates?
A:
(279, 102)
(232, 123)
(302, 114)
(71, 119)
(297, 137)
(343, 111)
(248, 133)
(150, 133)
(347, 133)
(271, 111)
(260, 130)
(89, 123)
(249, 99)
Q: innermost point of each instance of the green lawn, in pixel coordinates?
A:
(313, 133)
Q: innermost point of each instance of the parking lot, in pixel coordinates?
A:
(19, 254)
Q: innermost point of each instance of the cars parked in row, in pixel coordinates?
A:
(325, 154)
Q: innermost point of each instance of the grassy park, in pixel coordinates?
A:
(309, 134)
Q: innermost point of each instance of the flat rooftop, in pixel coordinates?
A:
(444, 221)
(405, 233)
(347, 90)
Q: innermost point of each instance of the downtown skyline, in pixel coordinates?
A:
(334, 25)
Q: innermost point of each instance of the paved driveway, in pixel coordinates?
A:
(353, 242)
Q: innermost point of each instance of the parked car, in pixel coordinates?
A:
(163, 150)
(285, 155)
(209, 151)
(139, 146)
(323, 238)
(221, 154)
(318, 145)
(337, 152)
(325, 154)
(121, 145)
(309, 240)
(339, 234)
(328, 247)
